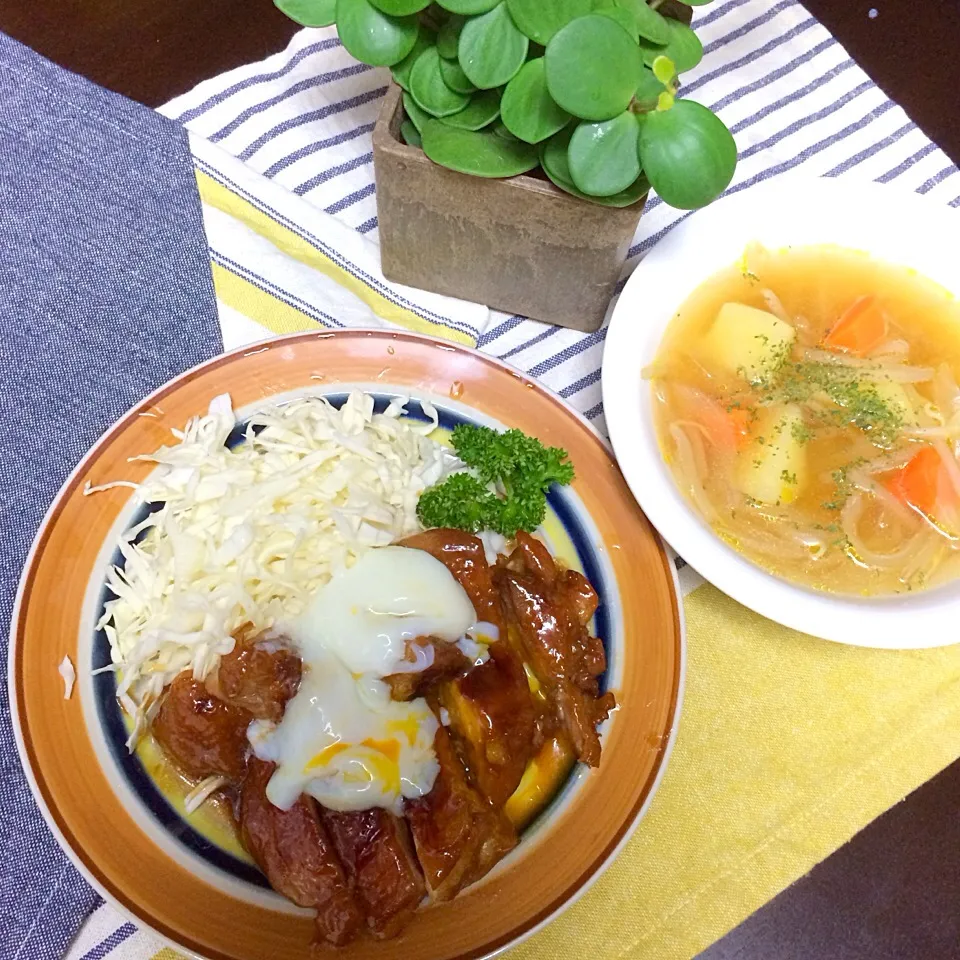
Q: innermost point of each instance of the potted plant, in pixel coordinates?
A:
(515, 149)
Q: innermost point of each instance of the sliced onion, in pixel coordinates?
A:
(897, 372)
(946, 393)
(927, 558)
(865, 482)
(688, 475)
(699, 427)
(950, 463)
(850, 521)
(775, 306)
(889, 461)
(836, 359)
(793, 544)
(933, 414)
(891, 348)
(942, 432)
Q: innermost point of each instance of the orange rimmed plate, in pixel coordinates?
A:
(121, 820)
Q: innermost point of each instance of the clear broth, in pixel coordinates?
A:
(804, 541)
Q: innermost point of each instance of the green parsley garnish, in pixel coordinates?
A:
(857, 402)
(801, 432)
(518, 467)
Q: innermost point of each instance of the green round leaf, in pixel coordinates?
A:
(400, 8)
(603, 156)
(309, 13)
(501, 131)
(553, 156)
(696, 3)
(448, 38)
(527, 109)
(491, 48)
(553, 159)
(664, 69)
(417, 115)
(626, 198)
(687, 153)
(592, 67)
(454, 77)
(649, 88)
(428, 89)
(650, 24)
(481, 154)
(410, 134)
(373, 37)
(683, 48)
(541, 19)
(483, 109)
(468, 7)
(401, 71)
(624, 18)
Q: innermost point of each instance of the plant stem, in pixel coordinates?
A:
(638, 107)
(656, 4)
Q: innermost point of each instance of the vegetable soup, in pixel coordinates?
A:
(807, 405)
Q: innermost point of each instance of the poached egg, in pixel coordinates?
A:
(342, 739)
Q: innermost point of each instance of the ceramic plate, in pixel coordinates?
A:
(890, 226)
(122, 821)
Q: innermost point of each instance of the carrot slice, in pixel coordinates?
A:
(861, 327)
(728, 429)
(740, 421)
(917, 484)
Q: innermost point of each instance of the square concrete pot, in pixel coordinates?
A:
(520, 244)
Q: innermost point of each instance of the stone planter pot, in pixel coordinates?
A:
(520, 245)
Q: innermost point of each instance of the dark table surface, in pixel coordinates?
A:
(894, 890)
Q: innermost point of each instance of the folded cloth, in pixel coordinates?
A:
(106, 295)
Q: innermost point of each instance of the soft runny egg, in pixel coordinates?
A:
(342, 739)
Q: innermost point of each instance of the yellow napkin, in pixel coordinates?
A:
(787, 747)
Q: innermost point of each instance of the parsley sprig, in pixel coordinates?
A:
(505, 487)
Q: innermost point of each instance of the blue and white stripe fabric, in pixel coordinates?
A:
(294, 134)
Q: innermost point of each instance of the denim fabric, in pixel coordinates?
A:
(105, 293)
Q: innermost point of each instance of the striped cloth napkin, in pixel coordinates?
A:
(760, 787)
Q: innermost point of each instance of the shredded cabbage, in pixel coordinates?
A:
(249, 534)
(69, 675)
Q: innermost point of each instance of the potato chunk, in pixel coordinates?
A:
(772, 468)
(746, 342)
(897, 401)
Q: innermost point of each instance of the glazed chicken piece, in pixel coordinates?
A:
(259, 674)
(458, 834)
(377, 855)
(492, 722)
(550, 610)
(531, 556)
(203, 735)
(492, 719)
(297, 855)
(448, 661)
(463, 555)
